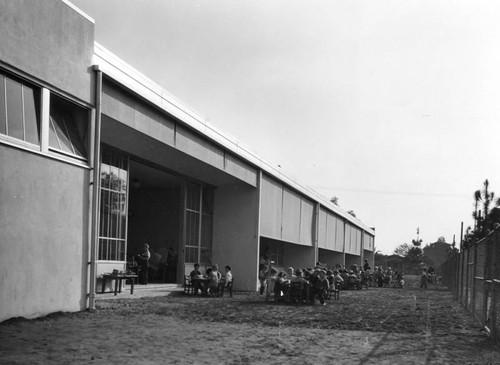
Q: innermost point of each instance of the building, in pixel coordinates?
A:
(96, 159)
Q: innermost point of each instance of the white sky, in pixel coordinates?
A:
(392, 106)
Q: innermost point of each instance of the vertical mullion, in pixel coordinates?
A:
(5, 101)
(127, 160)
(200, 220)
(108, 220)
(23, 112)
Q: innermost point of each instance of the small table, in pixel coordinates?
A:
(200, 283)
(118, 281)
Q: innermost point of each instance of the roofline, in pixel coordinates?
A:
(121, 72)
(78, 10)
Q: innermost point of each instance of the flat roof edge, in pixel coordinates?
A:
(78, 10)
(121, 72)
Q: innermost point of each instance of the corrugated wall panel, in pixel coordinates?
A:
(271, 208)
(306, 222)
(347, 237)
(331, 232)
(322, 228)
(339, 240)
(291, 216)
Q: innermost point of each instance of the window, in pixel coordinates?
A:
(68, 129)
(19, 110)
(113, 220)
(199, 223)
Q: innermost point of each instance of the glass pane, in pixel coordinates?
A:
(206, 256)
(76, 133)
(104, 230)
(3, 120)
(193, 197)
(53, 141)
(62, 134)
(71, 126)
(206, 230)
(208, 200)
(103, 248)
(192, 228)
(191, 254)
(105, 171)
(30, 115)
(14, 109)
(113, 250)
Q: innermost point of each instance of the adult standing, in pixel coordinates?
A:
(143, 260)
(171, 265)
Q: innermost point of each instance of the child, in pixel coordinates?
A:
(423, 279)
(271, 283)
(213, 282)
(320, 288)
(228, 281)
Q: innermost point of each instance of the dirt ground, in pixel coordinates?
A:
(373, 326)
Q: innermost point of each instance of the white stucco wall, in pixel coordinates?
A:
(44, 235)
(235, 233)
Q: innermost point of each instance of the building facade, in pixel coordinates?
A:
(96, 159)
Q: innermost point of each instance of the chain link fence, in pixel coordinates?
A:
(473, 276)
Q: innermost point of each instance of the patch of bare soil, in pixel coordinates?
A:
(373, 326)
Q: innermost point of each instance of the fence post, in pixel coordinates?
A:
(495, 282)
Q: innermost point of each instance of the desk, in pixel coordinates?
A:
(118, 281)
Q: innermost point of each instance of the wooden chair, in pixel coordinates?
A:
(188, 285)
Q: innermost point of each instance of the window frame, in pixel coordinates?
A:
(37, 92)
(42, 100)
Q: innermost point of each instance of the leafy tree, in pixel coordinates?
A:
(402, 249)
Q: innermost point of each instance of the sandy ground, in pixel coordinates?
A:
(374, 326)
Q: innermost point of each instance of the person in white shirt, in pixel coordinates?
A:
(228, 279)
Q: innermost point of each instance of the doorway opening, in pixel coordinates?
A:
(154, 217)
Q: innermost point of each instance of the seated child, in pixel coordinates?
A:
(213, 282)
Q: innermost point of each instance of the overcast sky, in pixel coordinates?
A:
(392, 106)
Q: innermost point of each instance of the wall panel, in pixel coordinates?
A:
(306, 222)
(240, 169)
(198, 147)
(339, 231)
(330, 232)
(291, 216)
(271, 208)
(322, 228)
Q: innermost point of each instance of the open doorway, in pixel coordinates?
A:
(154, 217)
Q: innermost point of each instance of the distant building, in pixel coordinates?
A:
(96, 159)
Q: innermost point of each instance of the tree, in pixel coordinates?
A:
(415, 255)
(402, 250)
(486, 220)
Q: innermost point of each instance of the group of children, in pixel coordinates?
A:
(215, 280)
(317, 281)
